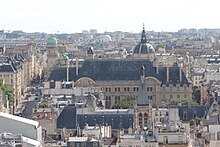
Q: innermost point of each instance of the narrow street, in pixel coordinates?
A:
(32, 101)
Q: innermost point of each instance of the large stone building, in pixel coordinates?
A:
(120, 77)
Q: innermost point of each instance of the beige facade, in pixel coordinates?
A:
(30, 67)
(52, 56)
(158, 93)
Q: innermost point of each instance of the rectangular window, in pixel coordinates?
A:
(125, 89)
(180, 139)
(108, 101)
(165, 139)
(116, 89)
(117, 99)
(150, 97)
(178, 96)
(52, 85)
(171, 96)
(149, 88)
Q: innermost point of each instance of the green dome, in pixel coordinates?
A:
(51, 41)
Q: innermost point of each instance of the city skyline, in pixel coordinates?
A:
(68, 16)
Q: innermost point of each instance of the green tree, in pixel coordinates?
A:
(196, 121)
(8, 91)
(127, 102)
(182, 101)
(196, 94)
(159, 46)
(154, 105)
(43, 105)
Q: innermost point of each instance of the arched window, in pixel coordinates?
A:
(140, 120)
(145, 119)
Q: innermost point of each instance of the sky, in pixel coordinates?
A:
(71, 16)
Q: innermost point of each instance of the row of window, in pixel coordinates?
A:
(177, 88)
(118, 89)
(161, 113)
(6, 75)
(177, 96)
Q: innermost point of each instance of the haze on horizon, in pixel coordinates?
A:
(70, 16)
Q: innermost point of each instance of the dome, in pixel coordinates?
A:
(90, 50)
(144, 48)
(106, 38)
(51, 41)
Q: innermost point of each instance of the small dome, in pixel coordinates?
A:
(51, 41)
(144, 48)
(106, 38)
(90, 50)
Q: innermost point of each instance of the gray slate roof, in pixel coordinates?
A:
(200, 110)
(7, 68)
(70, 119)
(119, 70)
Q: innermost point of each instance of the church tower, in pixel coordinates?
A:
(52, 52)
(143, 110)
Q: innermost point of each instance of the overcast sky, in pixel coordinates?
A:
(70, 16)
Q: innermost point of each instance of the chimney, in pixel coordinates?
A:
(168, 74)
(67, 69)
(180, 68)
(77, 67)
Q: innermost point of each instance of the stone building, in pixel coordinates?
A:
(118, 78)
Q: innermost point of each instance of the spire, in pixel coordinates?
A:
(142, 92)
(143, 35)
